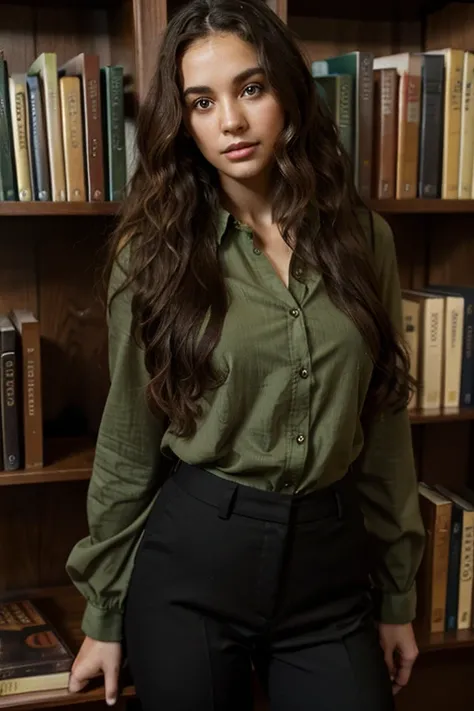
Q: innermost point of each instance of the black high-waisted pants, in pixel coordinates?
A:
(228, 579)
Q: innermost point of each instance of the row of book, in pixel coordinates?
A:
(406, 120)
(21, 420)
(445, 580)
(438, 326)
(62, 131)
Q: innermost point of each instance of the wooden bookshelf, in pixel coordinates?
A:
(50, 209)
(64, 607)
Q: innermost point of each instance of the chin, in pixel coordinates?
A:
(243, 171)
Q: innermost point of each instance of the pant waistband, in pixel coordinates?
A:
(241, 500)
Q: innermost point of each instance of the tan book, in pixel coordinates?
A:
(28, 330)
(408, 66)
(466, 151)
(430, 347)
(71, 115)
(452, 349)
(411, 333)
(385, 132)
(453, 67)
(436, 511)
(45, 66)
(20, 133)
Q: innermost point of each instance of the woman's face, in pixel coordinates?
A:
(230, 109)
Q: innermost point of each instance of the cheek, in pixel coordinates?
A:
(203, 133)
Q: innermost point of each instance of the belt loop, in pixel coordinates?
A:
(339, 504)
(225, 506)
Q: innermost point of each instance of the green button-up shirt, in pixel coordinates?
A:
(286, 418)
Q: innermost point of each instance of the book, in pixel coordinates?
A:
(33, 657)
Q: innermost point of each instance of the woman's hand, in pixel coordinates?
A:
(94, 658)
(400, 651)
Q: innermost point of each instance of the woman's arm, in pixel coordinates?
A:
(387, 478)
(125, 478)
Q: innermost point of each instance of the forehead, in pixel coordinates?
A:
(215, 60)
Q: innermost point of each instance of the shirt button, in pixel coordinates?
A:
(286, 485)
(304, 373)
(295, 313)
(257, 251)
(300, 439)
(298, 272)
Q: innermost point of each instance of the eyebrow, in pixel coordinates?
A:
(243, 76)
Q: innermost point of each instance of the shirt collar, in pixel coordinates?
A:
(224, 218)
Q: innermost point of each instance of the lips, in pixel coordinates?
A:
(239, 146)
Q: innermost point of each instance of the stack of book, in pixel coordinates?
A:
(33, 656)
(62, 131)
(445, 579)
(406, 120)
(438, 324)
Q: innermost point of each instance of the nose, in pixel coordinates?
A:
(232, 117)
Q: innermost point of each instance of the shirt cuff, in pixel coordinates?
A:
(396, 608)
(103, 625)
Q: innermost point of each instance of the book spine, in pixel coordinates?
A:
(7, 169)
(467, 369)
(440, 567)
(452, 123)
(385, 131)
(431, 128)
(467, 129)
(32, 396)
(9, 403)
(115, 131)
(432, 339)
(39, 151)
(93, 129)
(466, 571)
(20, 139)
(345, 112)
(365, 123)
(453, 334)
(452, 591)
(71, 114)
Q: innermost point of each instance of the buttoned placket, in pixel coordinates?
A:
(291, 298)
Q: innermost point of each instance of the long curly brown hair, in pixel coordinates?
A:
(169, 218)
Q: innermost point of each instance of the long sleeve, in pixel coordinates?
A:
(387, 477)
(124, 481)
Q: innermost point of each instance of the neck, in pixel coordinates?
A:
(248, 201)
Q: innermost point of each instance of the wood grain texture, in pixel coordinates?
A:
(16, 36)
(150, 18)
(69, 31)
(73, 329)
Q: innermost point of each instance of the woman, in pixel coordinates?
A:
(255, 445)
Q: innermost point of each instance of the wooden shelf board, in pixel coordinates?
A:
(442, 641)
(66, 459)
(64, 607)
(461, 414)
(43, 209)
(420, 206)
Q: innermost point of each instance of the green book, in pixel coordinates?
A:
(360, 66)
(8, 189)
(337, 92)
(113, 130)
